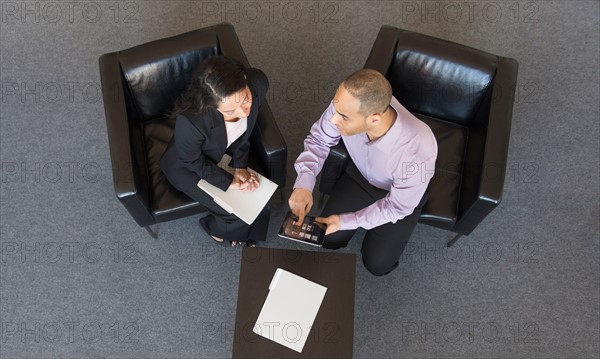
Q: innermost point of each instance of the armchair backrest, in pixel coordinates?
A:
(158, 72)
(155, 74)
(439, 78)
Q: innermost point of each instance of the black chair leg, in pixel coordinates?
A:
(152, 230)
(453, 240)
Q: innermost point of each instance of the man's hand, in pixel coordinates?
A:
(332, 222)
(301, 202)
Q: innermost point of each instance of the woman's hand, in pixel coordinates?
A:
(245, 180)
(241, 175)
(251, 184)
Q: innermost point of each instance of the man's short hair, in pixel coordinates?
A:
(371, 88)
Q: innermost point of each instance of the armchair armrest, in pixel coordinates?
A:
(383, 50)
(268, 146)
(229, 43)
(498, 133)
(334, 166)
(493, 166)
(125, 180)
(266, 140)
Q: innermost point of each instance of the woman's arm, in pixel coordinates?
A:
(188, 140)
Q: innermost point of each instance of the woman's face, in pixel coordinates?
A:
(236, 106)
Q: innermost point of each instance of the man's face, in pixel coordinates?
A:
(236, 106)
(346, 117)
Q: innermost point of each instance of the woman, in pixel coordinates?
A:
(216, 115)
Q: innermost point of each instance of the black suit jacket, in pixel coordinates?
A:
(200, 139)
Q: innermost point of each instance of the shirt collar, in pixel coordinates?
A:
(393, 134)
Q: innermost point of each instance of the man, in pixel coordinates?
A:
(383, 188)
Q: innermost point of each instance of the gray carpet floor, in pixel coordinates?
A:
(80, 279)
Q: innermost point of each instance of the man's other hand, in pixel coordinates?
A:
(301, 202)
(332, 222)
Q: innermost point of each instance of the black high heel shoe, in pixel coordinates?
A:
(217, 240)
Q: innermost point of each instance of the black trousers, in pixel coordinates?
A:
(382, 245)
(220, 223)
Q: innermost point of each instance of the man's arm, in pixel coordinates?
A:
(404, 196)
(323, 135)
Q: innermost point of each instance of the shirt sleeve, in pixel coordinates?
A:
(404, 196)
(323, 135)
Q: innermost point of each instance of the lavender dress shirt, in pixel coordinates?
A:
(401, 162)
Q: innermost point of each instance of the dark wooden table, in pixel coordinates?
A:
(333, 332)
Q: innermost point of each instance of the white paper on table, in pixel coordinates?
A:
(289, 310)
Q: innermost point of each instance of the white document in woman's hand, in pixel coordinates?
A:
(246, 205)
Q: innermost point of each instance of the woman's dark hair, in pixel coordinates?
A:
(216, 78)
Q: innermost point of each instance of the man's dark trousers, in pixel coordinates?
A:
(382, 245)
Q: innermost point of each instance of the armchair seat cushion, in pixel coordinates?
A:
(441, 209)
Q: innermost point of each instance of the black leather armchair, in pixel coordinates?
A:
(139, 87)
(466, 96)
